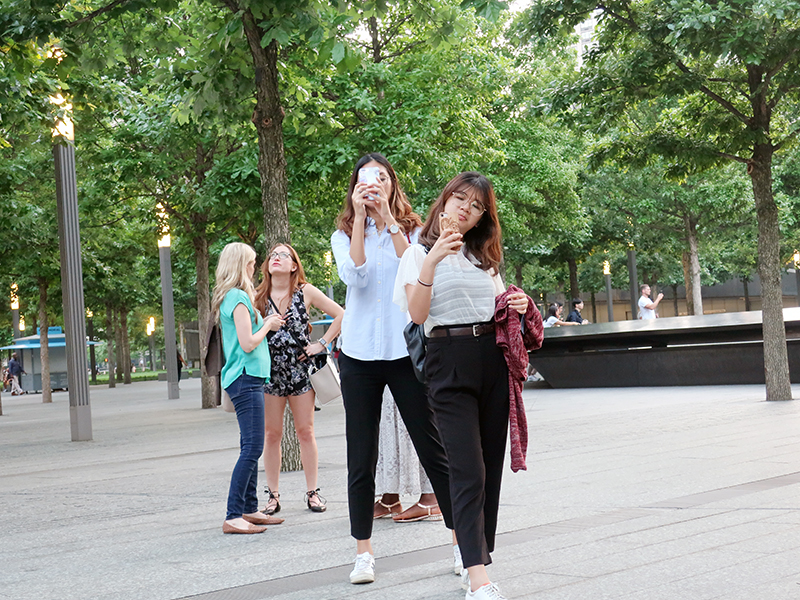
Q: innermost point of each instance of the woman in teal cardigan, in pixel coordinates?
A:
(247, 368)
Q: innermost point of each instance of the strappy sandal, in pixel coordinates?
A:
(419, 512)
(389, 509)
(317, 508)
(273, 504)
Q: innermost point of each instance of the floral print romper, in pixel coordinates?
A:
(289, 375)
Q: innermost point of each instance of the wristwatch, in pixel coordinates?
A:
(393, 228)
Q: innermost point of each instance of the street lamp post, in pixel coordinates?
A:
(14, 311)
(609, 302)
(90, 333)
(71, 273)
(634, 280)
(328, 274)
(151, 327)
(796, 258)
(168, 307)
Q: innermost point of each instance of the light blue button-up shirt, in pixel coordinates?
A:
(372, 328)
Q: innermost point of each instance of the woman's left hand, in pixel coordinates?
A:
(316, 348)
(519, 302)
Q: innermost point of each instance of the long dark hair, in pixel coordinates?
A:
(264, 289)
(405, 216)
(484, 241)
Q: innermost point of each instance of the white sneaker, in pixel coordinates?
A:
(457, 564)
(464, 579)
(486, 592)
(364, 571)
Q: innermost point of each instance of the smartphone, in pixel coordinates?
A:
(369, 175)
(447, 223)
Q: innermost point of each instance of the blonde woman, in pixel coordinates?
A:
(284, 291)
(247, 368)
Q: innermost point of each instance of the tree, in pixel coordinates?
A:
(734, 68)
(673, 217)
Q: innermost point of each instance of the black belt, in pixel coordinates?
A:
(463, 330)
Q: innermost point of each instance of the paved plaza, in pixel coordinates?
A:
(632, 494)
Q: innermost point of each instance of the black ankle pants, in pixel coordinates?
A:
(468, 390)
(362, 391)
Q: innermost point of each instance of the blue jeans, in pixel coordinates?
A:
(247, 395)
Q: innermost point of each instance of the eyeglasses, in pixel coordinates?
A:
(281, 255)
(475, 207)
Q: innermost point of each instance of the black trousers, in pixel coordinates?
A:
(362, 391)
(468, 390)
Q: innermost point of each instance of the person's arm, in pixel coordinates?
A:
(350, 273)
(653, 305)
(248, 340)
(560, 322)
(315, 297)
(419, 294)
(357, 251)
(399, 240)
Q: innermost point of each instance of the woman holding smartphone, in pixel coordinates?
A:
(451, 288)
(374, 229)
(284, 291)
(246, 369)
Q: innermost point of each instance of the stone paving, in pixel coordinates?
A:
(687, 493)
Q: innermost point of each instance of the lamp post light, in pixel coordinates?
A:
(21, 325)
(633, 279)
(14, 311)
(71, 271)
(796, 259)
(609, 301)
(168, 307)
(328, 266)
(90, 333)
(151, 327)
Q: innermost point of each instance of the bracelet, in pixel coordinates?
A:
(419, 281)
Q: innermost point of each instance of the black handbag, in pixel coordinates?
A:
(417, 345)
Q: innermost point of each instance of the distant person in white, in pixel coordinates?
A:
(647, 307)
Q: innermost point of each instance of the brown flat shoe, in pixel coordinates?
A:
(228, 528)
(419, 512)
(262, 519)
(382, 511)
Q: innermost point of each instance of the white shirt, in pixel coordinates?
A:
(372, 328)
(462, 292)
(644, 312)
(550, 321)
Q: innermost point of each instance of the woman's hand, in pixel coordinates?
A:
(519, 302)
(448, 244)
(316, 348)
(360, 199)
(273, 322)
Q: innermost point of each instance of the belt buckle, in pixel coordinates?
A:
(475, 329)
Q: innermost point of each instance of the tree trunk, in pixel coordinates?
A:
(687, 282)
(594, 309)
(268, 119)
(290, 447)
(120, 360)
(746, 285)
(44, 350)
(518, 275)
(112, 382)
(694, 265)
(574, 290)
(776, 359)
(209, 392)
(675, 297)
(126, 346)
